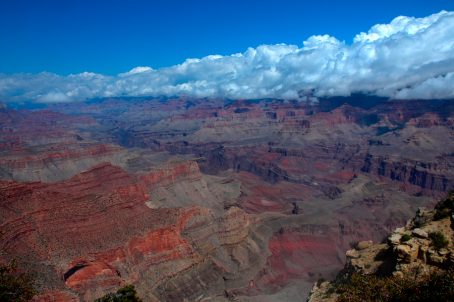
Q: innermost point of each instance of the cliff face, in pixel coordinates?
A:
(404, 143)
(210, 199)
(428, 176)
(398, 142)
(94, 232)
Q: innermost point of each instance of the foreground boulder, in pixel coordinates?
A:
(416, 263)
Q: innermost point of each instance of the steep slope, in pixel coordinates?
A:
(94, 232)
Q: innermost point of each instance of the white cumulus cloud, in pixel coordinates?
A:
(408, 58)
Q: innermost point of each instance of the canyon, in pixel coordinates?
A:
(212, 199)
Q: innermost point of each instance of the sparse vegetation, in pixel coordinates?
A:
(440, 214)
(445, 207)
(361, 288)
(353, 244)
(406, 286)
(14, 285)
(438, 240)
(405, 238)
(124, 294)
(420, 221)
(320, 281)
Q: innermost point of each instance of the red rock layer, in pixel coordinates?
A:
(57, 152)
(168, 175)
(308, 252)
(95, 233)
(92, 211)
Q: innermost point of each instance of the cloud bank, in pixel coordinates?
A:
(408, 58)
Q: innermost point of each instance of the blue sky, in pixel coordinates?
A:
(111, 37)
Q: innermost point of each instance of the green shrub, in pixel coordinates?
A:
(354, 244)
(320, 281)
(440, 214)
(405, 238)
(14, 285)
(444, 208)
(438, 240)
(124, 294)
(360, 288)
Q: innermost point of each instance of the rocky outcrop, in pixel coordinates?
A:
(424, 246)
(170, 173)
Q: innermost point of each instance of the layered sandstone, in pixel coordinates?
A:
(208, 198)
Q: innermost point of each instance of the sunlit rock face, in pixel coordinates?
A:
(211, 199)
